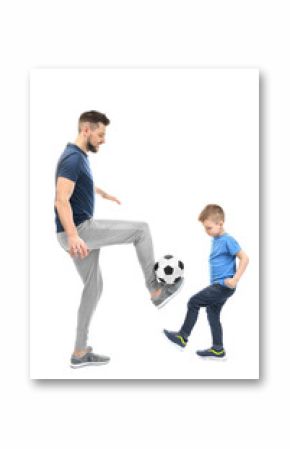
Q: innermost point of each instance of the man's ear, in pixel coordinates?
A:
(85, 129)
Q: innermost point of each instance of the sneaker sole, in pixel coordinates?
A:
(81, 365)
(209, 357)
(177, 346)
(170, 297)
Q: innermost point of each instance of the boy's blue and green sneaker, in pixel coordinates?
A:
(213, 353)
(176, 338)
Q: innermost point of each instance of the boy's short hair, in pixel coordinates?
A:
(93, 117)
(213, 212)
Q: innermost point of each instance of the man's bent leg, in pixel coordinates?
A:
(100, 233)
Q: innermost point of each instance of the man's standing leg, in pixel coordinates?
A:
(89, 270)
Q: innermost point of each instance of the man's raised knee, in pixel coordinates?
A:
(143, 228)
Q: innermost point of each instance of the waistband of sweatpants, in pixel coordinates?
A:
(85, 221)
(79, 226)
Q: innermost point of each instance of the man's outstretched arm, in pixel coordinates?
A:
(106, 195)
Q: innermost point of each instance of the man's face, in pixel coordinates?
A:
(213, 228)
(95, 137)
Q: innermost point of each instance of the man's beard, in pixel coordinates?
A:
(91, 148)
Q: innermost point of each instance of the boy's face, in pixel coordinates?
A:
(213, 228)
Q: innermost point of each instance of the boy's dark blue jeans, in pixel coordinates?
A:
(213, 298)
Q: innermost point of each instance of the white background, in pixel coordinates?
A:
(179, 139)
(171, 414)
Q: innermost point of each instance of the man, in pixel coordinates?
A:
(82, 236)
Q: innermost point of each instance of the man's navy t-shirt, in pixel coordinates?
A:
(74, 164)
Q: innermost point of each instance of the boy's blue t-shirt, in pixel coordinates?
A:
(222, 259)
(74, 164)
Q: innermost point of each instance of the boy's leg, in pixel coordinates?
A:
(90, 273)
(196, 301)
(210, 296)
(213, 314)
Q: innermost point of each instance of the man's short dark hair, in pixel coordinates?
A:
(93, 117)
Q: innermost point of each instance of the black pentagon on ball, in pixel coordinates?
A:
(168, 257)
(156, 266)
(177, 279)
(162, 280)
(181, 265)
(168, 270)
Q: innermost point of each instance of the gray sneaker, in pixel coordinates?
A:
(167, 293)
(89, 359)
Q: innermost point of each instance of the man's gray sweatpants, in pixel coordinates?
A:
(96, 234)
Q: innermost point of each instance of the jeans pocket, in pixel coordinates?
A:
(227, 289)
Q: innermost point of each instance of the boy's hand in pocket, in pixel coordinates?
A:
(231, 282)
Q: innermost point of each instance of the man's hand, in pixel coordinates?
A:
(111, 198)
(231, 282)
(77, 247)
(106, 195)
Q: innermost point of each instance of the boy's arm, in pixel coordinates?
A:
(244, 260)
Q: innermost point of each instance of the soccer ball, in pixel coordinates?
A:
(169, 270)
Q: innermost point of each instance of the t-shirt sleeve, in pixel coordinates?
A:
(70, 167)
(233, 246)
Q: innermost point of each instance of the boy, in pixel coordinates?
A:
(223, 282)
